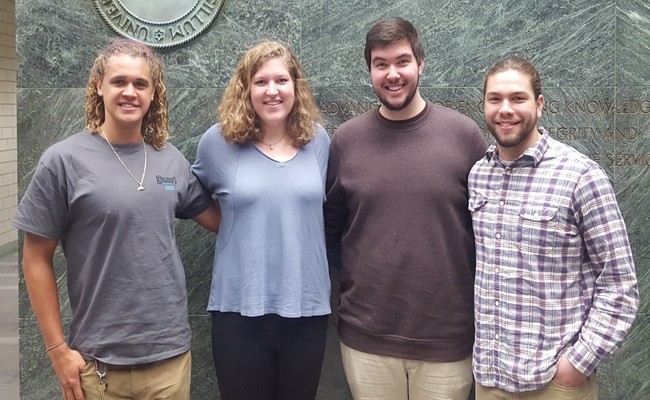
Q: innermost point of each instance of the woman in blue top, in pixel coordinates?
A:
(266, 163)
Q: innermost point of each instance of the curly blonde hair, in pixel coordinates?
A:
(240, 124)
(155, 124)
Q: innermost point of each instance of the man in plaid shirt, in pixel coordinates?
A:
(555, 289)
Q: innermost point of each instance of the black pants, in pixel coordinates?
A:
(268, 357)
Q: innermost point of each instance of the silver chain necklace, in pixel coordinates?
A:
(272, 144)
(144, 170)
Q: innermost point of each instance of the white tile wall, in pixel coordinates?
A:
(8, 131)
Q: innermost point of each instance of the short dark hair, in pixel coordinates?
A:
(390, 30)
(517, 64)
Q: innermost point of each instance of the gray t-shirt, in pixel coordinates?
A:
(125, 277)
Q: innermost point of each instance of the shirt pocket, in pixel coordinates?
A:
(477, 205)
(537, 228)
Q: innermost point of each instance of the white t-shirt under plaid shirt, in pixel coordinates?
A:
(554, 273)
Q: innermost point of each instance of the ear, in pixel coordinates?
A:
(540, 105)
(421, 68)
(98, 85)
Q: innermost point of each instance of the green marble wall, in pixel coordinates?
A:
(593, 56)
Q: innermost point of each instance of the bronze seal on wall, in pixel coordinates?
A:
(161, 24)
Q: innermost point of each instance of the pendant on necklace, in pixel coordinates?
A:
(271, 146)
(140, 188)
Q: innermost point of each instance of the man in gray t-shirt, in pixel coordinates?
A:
(126, 281)
(110, 196)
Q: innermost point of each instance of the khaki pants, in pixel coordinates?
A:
(552, 391)
(376, 377)
(166, 379)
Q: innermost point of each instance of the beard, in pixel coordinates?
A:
(526, 130)
(399, 106)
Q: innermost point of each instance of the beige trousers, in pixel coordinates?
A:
(552, 391)
(377, 377)
(166, 379)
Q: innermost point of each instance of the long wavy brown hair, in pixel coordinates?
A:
(240, 124)
(155, 124)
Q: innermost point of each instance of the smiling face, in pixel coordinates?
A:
(272, 94)
(395, 75)
(511, 112)
(127, 91)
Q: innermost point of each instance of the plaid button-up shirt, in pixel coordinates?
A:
(554, 273)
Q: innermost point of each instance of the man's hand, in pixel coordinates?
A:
(566, 374)
(68, 364)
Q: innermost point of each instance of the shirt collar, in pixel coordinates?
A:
(532, 155)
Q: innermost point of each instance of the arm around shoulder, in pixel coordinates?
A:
(210, 218)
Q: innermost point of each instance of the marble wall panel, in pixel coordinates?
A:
(632, 163)
(592, 55)
(632, 44)
(627, 373)
(204, 383)
(56, 42)
(572, 42)
(46, 117)
(338, 104)
(210, 61)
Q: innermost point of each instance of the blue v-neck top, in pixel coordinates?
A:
(270, 253)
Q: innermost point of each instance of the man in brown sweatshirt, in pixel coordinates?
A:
(397, 205)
